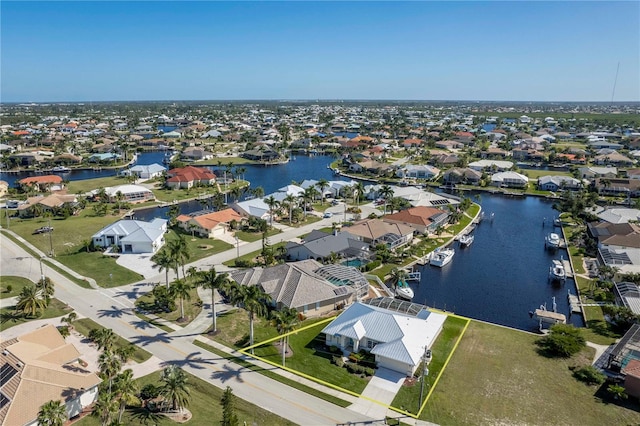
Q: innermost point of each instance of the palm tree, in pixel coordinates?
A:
(163, 261)
(308, 196)
(285, 321)
(52, 413)
(126, 390)
(322, 184)
(175, 387)
(29, 301)
(105, 338)
(109, 363)
(358, 189)
(45, 289)
(105, 407)
(290, 201)
(179, 252)
(213, 281)
(181, 288)
(254, 301)
(273, 205)
(258, 191)
(398, 276)
(386, 193)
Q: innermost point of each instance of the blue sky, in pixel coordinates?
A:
(519, 51)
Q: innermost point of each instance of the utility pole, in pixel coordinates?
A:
(425, 373)
(51, 239)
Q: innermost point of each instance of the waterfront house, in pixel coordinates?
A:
(188, 177)
(509, 180)
(598, 172)
(614, 158)
(209, 224)
(557, 182)
(397, 333)
(618, 214)
(132, 236)
(491, 165)
(618, 245)
(48, 204)
(38, 367)
(194, 153)
(255, 207)
(321, 246)
(462, 175)
(376, 231)
(618, 187)
(417, 171)
(627, 294)
(149, 171)
(127, 193)
(106, 157)
(46, 183)
(422, 219)
(306, 286)
(262, 154)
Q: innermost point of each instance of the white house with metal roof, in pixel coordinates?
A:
(398, 333)
(132, 236)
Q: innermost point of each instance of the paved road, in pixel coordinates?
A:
(113, 308)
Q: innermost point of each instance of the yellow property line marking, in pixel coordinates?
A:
(211, 367)
(444, 366)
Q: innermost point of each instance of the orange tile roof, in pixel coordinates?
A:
(420, 215)
(632, 368)
(41, 179)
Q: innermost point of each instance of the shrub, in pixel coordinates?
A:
(369, 371)
(243, 263)
(337, 360)
(589, 375)
(149, 391)
(334, 349)
(9, 288)
(372, 265)
(564, 340)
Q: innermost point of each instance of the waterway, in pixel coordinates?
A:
(504, 274)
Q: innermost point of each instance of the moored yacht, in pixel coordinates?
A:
(466, 240)
(441, 256)
(61, 169)
(403, 291)
(556, 271)
(552, 241)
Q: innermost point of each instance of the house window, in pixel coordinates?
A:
(304, 309)
(317, 305)
(371, 343)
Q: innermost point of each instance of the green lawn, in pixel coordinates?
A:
(86, 185)
(234, 330)
(10, 317)
(200, 248)
(85, 325)
(191, 308)
(251, 256)
(16, 283)
(408, 396)
(255, 236)
(204, 404)
(535, 174)
(497, 376)
(103, 269)
(291, 383)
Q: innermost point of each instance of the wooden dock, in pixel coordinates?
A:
(567, 268)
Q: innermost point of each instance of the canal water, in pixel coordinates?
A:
(504, 274)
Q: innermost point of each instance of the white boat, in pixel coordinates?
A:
(403, 291)
(556, 271)
(441, 257)
(60, 169)
(466, 240)
(552, 240)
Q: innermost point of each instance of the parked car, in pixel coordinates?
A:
(327, 215)
(43, 230)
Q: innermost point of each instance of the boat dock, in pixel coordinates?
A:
(548, 317)
(567, 268)
(574, 303)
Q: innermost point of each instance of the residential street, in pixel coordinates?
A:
(112, 308)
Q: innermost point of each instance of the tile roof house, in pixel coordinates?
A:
(187, 177)
(397, 339)
(418, 171)
(38, 367)
(632, 378)
(509, 180)
(44, 183)
(557, 182)
(307, 286)
(618, 245)
(146, 171)
(132, 236)
(208, 224)
(462, 175)
(422, 219)
(49, 203)
(130, 193)
(617, 186)
(376, 231)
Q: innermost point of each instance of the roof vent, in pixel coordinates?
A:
(5, 352)
(19, 364)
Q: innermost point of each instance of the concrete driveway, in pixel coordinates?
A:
(140, 263)
(379, 393)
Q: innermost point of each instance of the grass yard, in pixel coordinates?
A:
(103, 269)
(255, 236)
(191, 308)
(204, 404)
(252, 256)
(309, 357)
(10, 317)
(535, 174)
(16, 283)
(496, 376)
(86, 185)
(200, 247)
(85, 325)
(408, 396)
